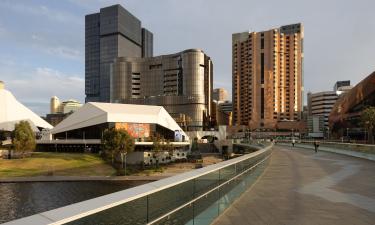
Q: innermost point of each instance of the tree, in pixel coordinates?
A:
(157, 147)
(23, 138)
(117, 141)
(368, 120)
(194, 145)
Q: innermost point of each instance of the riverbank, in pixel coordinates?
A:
(69, 167)
(56, 164)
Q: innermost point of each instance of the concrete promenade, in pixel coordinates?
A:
(300, 187)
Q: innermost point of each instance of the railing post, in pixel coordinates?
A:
(194, 202)
(147, 208)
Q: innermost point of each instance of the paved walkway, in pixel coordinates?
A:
(300, 187)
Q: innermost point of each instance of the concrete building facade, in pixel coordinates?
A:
(181, 83)
(111, 33)
(267, 77)
(321, 104)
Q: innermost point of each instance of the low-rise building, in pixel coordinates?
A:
(344, 120)
(84, 128)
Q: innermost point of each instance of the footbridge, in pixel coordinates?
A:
(277, 184)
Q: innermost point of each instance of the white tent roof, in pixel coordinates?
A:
(12, 111)
(94, 113)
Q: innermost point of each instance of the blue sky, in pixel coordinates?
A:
(42, 42)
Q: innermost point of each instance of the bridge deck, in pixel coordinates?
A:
(300, 187)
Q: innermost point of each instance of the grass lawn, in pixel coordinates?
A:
(58, 164)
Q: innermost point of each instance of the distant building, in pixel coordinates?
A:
(343, 83)
(315, 126)
(181, 83)
(267, 77)
(222, 113)
(57, 107)
(2, 86)
(54, 105)
(56, 118)
(344, 119)
(321, 104)
(60, 110)
(111, 33)
(220, 94)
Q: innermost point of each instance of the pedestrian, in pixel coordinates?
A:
(316, 146)
(293, 142)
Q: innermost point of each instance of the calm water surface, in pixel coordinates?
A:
(25, 199)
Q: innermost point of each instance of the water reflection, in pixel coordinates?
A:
(25, 199)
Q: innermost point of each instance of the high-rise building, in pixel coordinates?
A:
(180, 82)
(111, 33)
(220, 94)
(267, 79)
(2, 86)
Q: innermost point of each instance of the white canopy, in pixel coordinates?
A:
(94, 113)
(12, 111)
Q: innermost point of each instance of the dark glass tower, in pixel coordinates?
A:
(111, 33)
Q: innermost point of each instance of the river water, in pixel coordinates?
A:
(24, 199)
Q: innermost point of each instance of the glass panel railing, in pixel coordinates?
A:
(169, 199)
(130, 213)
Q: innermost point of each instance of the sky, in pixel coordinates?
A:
(42, 41)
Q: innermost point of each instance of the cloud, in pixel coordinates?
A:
(65, 52)
(41, 11)
(35, 89)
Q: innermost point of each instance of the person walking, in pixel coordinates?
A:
(293, 142)
(316, 146)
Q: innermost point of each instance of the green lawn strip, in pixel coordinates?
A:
(63, 164)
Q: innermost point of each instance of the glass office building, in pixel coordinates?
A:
(111, 33)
